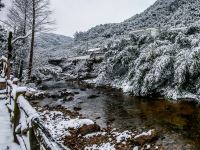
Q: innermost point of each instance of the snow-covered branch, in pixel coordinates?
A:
(21, 37)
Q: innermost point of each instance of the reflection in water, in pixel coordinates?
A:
(177, 122)
(169, 118)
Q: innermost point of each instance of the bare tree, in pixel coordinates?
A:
(32, 38)
(17, 16)
(18, 22)
(27, 17)
(40, 19)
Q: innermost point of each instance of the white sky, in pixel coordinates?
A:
(81, 15)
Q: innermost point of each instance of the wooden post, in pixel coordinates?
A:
(2, 85)
(16, 117)
(34, 145)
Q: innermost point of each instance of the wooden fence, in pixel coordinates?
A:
(28, 129)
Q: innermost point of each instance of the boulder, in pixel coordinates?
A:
(145, 137)
(68, 98)
(77, 108)
(65, 92)
(87, 129)
(92, 96)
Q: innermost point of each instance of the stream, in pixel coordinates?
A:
(178, 122)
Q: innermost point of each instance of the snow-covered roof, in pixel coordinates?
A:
(79, 58)
(94, 49)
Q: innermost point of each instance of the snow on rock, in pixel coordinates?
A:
(95, 134)
(104, 146)
(145, 136)
(21, 89)
(67, 130)
(75, 123)
(58, 124)
(136, 148)
(149, 133)
(123, 136)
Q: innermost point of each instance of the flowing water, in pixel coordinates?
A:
(178, 123)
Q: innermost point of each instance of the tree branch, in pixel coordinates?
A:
(21, 37)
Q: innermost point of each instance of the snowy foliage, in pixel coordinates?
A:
(51, 46)
(3, 35)
(143, 64)
(162, 14)
(156, 66)
(48, 72)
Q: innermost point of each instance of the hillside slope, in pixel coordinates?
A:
(50, 46)
(167, 64)
(46, 40)
(163, 13)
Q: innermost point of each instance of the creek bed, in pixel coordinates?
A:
(178, 122)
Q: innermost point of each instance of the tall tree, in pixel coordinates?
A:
(27, 17)
(32, 38)
(3, 34)
(10, 48)
(1, 5)
(18, 22)
(40, 20)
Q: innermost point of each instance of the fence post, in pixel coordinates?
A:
(16, 117)
(34, 145)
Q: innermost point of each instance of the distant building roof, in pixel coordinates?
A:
(94, 49)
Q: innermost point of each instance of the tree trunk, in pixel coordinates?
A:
(21, 62)
(8, 71)
(10, 36)
(32, 42)
(21, 69)
(25, 21)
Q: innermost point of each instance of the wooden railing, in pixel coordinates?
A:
(28, 129)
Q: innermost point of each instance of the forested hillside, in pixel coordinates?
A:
(144, 65)
(167, 64)
(163, 13)
(47, 40)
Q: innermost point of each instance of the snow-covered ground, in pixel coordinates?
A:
(6, 135)
(77, 132)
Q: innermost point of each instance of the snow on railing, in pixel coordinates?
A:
(3, 61)
(28, 129)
